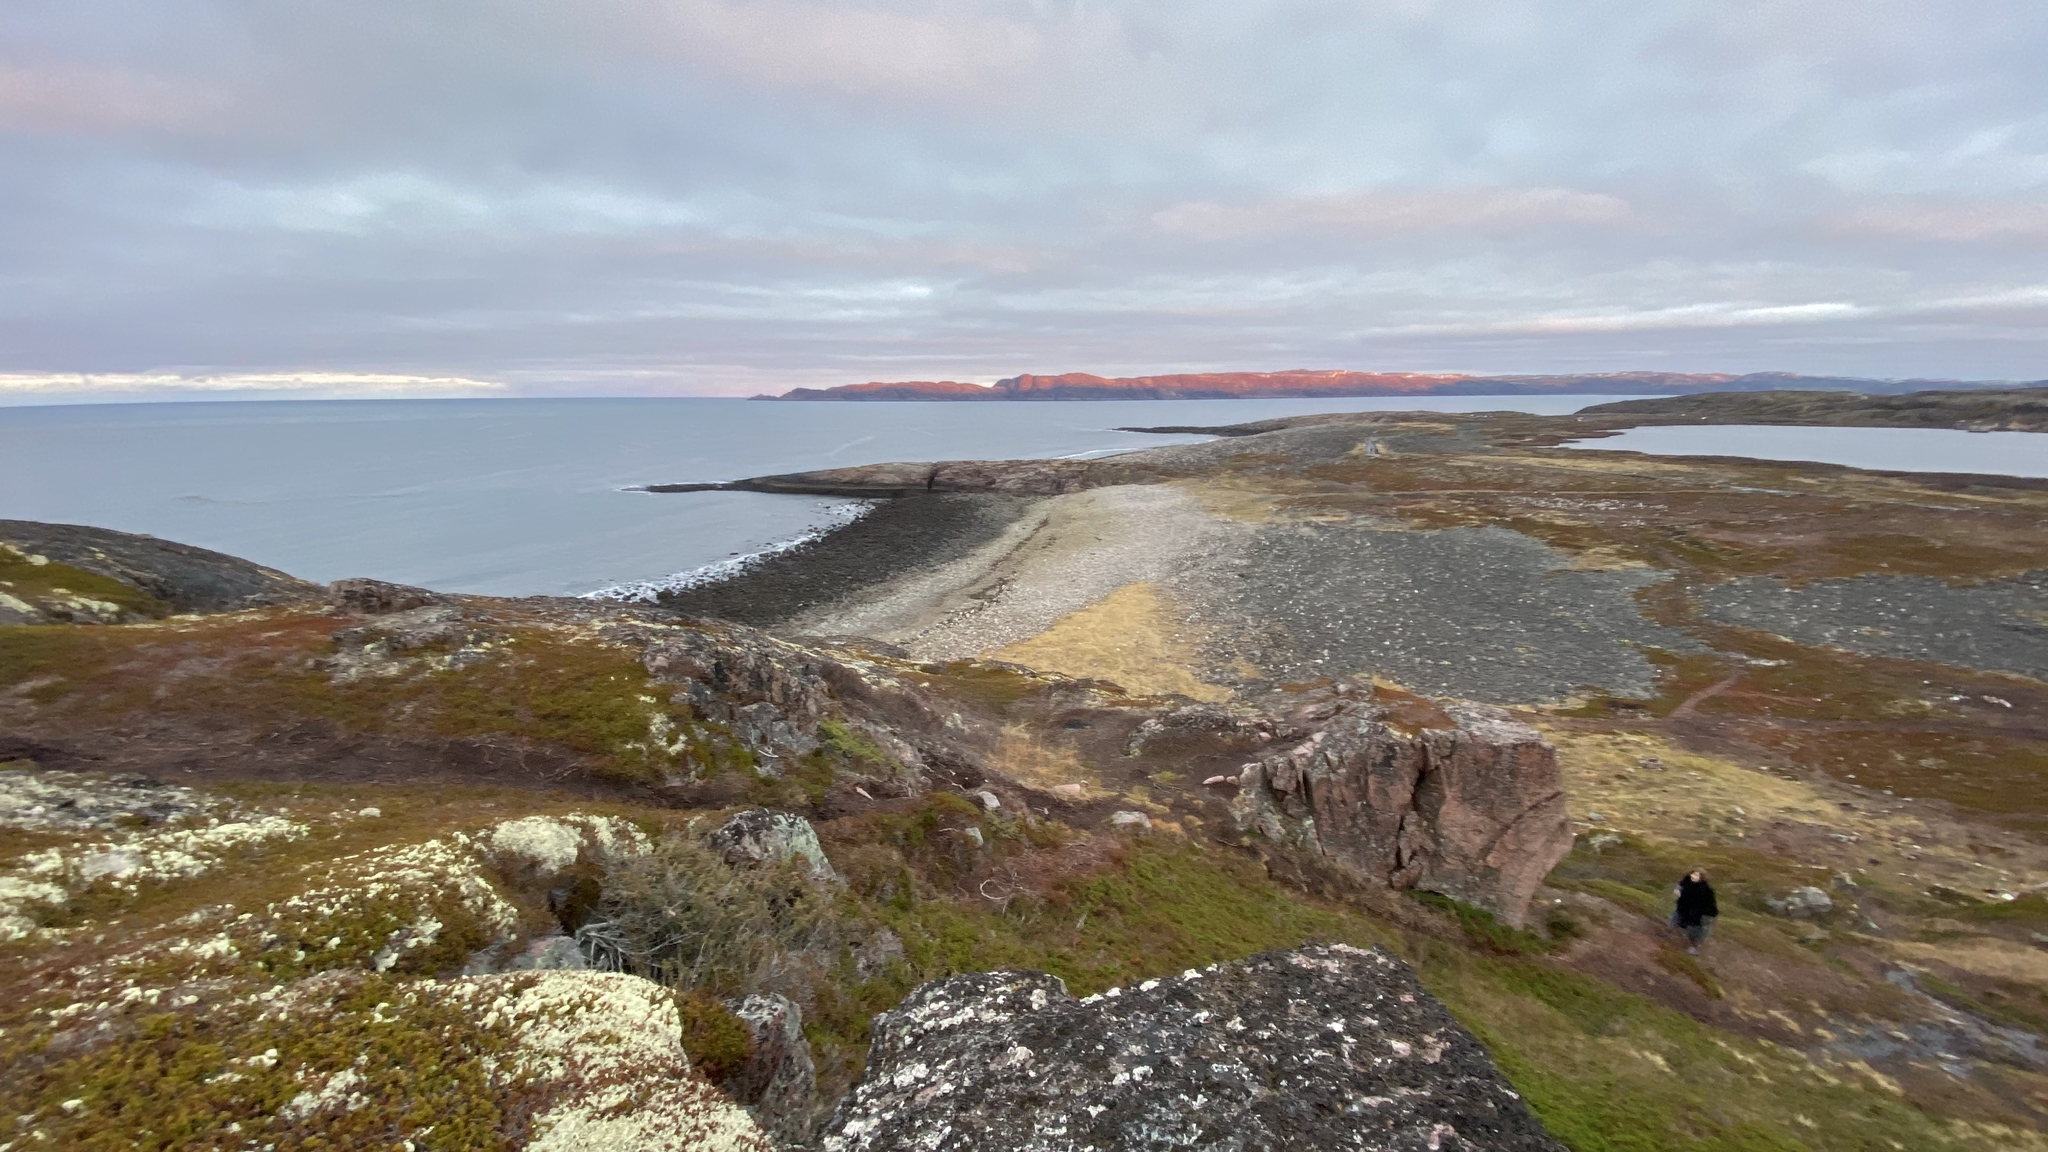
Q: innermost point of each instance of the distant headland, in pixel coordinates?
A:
(1321, 383)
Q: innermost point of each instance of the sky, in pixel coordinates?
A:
(215, 198)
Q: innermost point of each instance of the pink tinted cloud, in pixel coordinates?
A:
(1948, 221)
(70, 99)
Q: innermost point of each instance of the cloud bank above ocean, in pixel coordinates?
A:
(222, 197)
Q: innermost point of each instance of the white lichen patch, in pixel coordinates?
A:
(390, 908)
(555, 842)
(17, 895)
(47, 800)
(377, 908)
(146, 834)
(608, 1050)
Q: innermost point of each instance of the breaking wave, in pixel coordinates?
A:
(834, 518)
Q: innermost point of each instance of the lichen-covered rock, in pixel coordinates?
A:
(1801, 903)
(1317, 1049)
(428, 638)
(607, 1050)
(775, 696)
(552, 843)
(1471, 805)
(778, 1083)
(764, 836)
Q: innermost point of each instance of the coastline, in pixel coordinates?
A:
(895, 537)
(1287, 551)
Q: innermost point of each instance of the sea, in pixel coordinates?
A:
(536, 496)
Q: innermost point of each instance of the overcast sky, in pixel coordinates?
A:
(389, 197)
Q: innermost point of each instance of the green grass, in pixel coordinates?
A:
(53, 581)
(1609, 1071)
(1486, 932)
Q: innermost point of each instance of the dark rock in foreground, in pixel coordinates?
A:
(1320, 1048)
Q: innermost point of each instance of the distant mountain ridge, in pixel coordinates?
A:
(1320, 383)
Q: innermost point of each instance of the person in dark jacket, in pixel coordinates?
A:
(1695, 909)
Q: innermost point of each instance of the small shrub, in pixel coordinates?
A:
(680, 916)
(1562, 926)
(716, 1041)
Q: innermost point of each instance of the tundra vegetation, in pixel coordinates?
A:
(304, 929)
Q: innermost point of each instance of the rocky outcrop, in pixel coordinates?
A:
(765, 836)
(179, 576)
(1469, 804)
(378, 597)
(778, 1084)
(429, 636)
(783, 700)
(1321, 1048)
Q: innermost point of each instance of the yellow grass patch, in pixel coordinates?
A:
(1023, 757)
(1648, 787)
(2000, 959)
(1131, 637)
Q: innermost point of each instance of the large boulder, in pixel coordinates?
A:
(1468, 803)
(1318, 1049)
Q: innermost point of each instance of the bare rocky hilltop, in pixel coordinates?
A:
(1321, 785)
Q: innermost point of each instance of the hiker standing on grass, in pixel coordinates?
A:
(1695, 907)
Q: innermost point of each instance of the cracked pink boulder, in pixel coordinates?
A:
(1473, 809)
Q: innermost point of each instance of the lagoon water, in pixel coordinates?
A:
(520, 497)
(1890, 449)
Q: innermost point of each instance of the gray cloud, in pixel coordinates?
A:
(739, 195)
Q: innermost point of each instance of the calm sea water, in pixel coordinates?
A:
(1894, 449)
(519, 497)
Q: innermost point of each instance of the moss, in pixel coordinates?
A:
(716, 1041)
(1484, 930)
(63, 656)
(2028, 911)
(1150, 908)
(857, 746)
(589, 700)
(219, 1077)
(1639, 873)
(297, 942)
